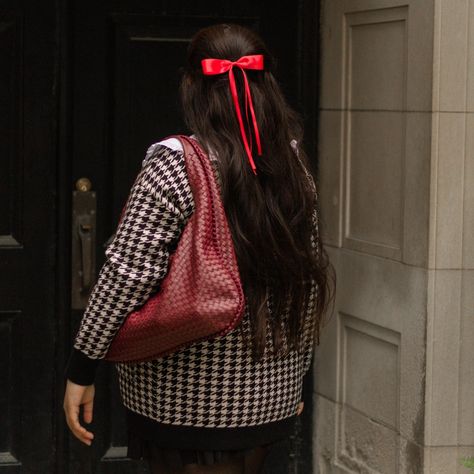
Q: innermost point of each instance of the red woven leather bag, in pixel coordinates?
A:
(201, 295)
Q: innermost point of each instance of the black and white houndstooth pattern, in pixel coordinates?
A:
(212, 383)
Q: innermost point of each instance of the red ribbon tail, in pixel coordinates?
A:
(235, 98)
(247, 119)
(252, 111)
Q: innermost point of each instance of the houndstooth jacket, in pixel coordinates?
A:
(212, 383)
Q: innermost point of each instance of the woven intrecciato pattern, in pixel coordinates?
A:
(211, 383)
(201, 295)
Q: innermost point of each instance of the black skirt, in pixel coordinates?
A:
(204, 438)
(140, 448)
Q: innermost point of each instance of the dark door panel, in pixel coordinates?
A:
(27, 236)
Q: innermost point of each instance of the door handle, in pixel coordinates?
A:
(84, 229)
(84, 206)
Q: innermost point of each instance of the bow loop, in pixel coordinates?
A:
(212, 66)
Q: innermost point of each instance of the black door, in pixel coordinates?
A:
(87, 86)
(28, 236)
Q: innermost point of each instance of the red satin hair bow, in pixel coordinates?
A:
(213, 66)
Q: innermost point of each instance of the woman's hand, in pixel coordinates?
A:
(74, 397)
(300, 408)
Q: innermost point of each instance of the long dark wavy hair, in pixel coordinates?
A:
(271, 214)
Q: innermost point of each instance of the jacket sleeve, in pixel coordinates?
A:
(158, 206)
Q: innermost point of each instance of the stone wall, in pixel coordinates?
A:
(394, 374)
